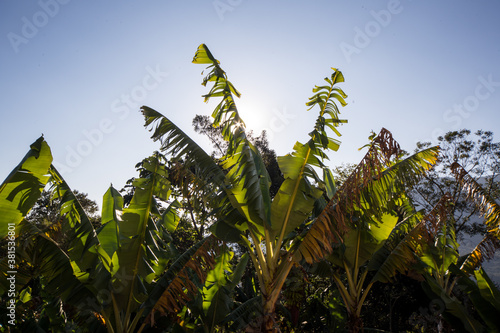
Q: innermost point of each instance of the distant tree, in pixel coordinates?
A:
(480, 157)
(342, 172)
(46, 211)
(204, 125)
(46, 215)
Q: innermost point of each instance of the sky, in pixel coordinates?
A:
(78, 72)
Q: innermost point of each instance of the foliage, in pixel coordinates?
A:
(382, 222)
(465, 181)
(442, 265)
(109, 276)
(203, 125)
(22, 188)
(397, 306)
(45, 211)
(485, 297)
(38, 308)
(243, 240)
(479, 157)
(307, 217)
(243, 182)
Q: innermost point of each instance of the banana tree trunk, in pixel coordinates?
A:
(269, 324)
(271, 295)
(354, 323)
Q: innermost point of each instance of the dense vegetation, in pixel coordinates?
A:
(243, 240)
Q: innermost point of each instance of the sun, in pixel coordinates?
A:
(254, 116)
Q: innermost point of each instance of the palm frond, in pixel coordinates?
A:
(376, 182)
(56, 267)
(84, 247)
(246, 172)
(297, 195)
(177, 143)
(182, 280)
(487, 206)
(490, 210)
(408, 240)
(484, 250)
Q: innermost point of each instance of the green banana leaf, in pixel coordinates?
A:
(374, 188)
(230, 222)
(56, 268)
(487, 288)
(139, 252)
(109, 233)
(295, 199)
(249, 184)
(84, 248)
(483, 293)
(486, 300)
(409, 240)
(218, 291)
(24, 185)
(246, 175)
(297, 196)
(360, 245)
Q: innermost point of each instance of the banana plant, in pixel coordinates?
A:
(439, 256)
(36, 254)
(249, 216)
(379, 221)
(444, 269)
(307, 215)
(484, 295)
(117, 276)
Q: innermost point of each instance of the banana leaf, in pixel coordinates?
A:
(24, 185)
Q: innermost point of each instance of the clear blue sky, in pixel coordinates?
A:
(79, 71)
